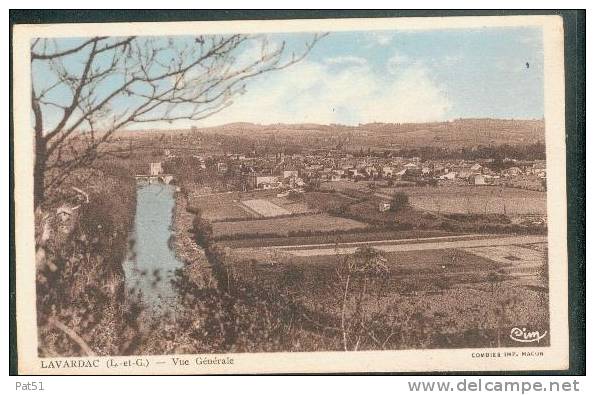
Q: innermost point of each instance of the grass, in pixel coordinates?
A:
(294, 206)
(326, 201)
(265, 208)
(403, 262)
(219, 207)
(229, 206)
(345, 185)
(474, 199)
(448, 291)
(372, 235)
(282, 226)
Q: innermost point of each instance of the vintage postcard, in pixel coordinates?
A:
(291, 196)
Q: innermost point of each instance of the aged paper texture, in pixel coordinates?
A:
(291, 196)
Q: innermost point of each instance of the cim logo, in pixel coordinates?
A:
(524, 336)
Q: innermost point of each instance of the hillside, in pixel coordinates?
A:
(454, 134)
(457, 133)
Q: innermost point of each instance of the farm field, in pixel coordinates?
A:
(455, 293)
(473, 199)
(491, 245)
(526, 182)
(404, 262)
(456, 199)
(326, 201)
(372, 235)
(347, 185)
(219, 207)
(294, 206)
(282, 226)
(264, 208)
(226, 206)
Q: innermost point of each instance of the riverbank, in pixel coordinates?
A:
(196, 265)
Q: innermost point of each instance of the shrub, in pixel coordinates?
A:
(203, 231)
(400, 201)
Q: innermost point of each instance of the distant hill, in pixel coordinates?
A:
(452, 134)
(460, 132)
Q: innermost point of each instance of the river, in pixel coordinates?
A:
(151, 263)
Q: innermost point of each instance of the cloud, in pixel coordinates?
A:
(450, 60)
(381, 38)
(397, 61)
(412, 97)
(354, 93)
(349, 59)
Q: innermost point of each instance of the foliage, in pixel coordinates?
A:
(399, 201)
(203, 231)
(80, 280)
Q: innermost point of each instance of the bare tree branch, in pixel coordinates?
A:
(73, 336)
(105, 84)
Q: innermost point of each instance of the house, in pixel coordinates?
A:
(401, 173)
(387, 171)
(371, 171)
(221, 167)
(268, 185)
(476, 167)
(354, 173)
(465, 173)
(513, 171)
(383, 207)
(156, 168)
(411, 174)
(256, 181)
(481, 179)
(449, 176)
(541, 173)
(290, 173)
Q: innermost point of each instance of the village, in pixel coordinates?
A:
(296, 172)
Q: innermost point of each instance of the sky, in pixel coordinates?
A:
(415, 76)
(398, 76)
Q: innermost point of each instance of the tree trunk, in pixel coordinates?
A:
(39, 172)
(40, 155)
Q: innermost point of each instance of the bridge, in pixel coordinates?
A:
(155, 175)
(158, 178)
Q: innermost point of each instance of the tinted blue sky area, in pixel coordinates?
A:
(423, 75)
(397, 76)
(479, 72)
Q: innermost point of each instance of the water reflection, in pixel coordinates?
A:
(151, 262)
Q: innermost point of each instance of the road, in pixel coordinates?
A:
(435, 243)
